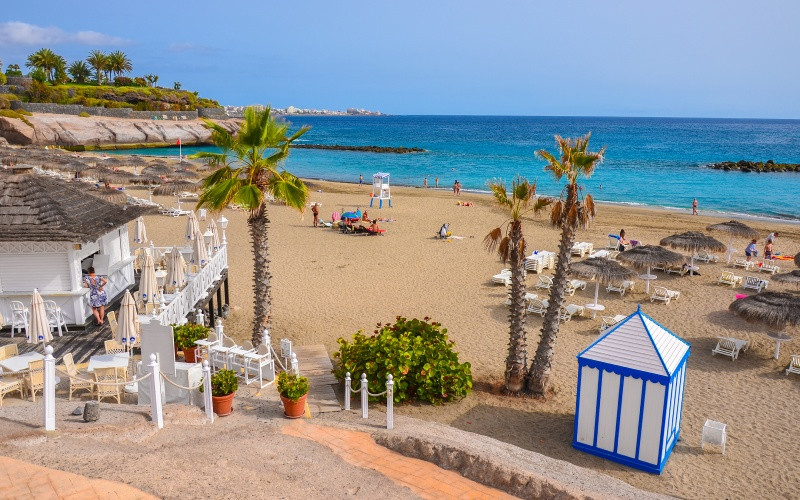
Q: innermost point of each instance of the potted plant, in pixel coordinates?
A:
(185, 337)
(293, 390)
(223, 387)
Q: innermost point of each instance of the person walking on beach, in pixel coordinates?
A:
(315, 212)
(694, 207)
(437, 183)
(455, 188)
(425, 183)
(772, 236)
(750, 251)
(360, 179)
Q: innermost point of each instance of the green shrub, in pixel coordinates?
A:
(186, 335)
(223, 382)
(83, 114)
(3, 79)
(123, 81)
(40, 92)
(292, 386)
(4, 103)
(24, 112)
(417, 354)
(10, 113)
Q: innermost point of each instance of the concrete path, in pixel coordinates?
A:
(22, 480)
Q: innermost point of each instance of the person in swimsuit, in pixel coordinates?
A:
(97, 295)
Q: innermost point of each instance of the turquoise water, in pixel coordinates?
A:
(649, 161)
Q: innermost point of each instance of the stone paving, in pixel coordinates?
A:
(23, 480)
(423, 478)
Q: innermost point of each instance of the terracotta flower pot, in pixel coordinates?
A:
(190, 354)
(223, 405)
(292, 409)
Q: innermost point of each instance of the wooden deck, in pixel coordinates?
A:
(81, 343)
(314, 363)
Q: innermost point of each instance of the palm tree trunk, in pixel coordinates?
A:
(517, 360)
(539, 373)
(262, 300)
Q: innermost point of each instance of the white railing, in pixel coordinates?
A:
(196, 289)
(365, 394)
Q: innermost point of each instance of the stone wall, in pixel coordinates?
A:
(212, 113)
(6, 89)
(77, 109)
(22, 81)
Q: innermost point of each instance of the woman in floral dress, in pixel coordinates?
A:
(97, 295)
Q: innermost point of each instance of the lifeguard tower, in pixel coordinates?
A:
(380, 189)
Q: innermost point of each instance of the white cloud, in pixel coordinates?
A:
(19, 33)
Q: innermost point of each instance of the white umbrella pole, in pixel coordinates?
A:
(596, 291)
(730, 249)
(691, 266)
(647, 286)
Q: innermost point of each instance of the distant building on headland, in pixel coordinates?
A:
(238, 111)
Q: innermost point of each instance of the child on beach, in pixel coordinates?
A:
(768, 250)
(694, 207)
(750, 251)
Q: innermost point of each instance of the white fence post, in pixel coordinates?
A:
(199, 317)
(295, 365)
(155, 392)
(347, 390)
(208, 403)
(390, 402)
(49, 395)
(364, 396)
(220, 330)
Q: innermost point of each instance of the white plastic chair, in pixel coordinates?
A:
(236, 356)
(537, 306)
(663, 294)
(55, 317)
(754, 283)
(743, 263)
(545, 282)
(573, 285)
(794, 365)
(714, 433)
(728, 278)
(566, 312)
(704, 256)
(728, 346)
(219, 353)
(769, 267)
(260, 365)
(19, 317)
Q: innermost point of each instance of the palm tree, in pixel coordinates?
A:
(571, 211)
(79, 72)
(510, 246)
(250, 169)
(45, 60)
(118, 63)
(99, 62)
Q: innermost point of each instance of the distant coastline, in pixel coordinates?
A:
(238, 111)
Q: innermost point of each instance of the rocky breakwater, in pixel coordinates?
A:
(95, 132)
(756, 166)
(365, 149)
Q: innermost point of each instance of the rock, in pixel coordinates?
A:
(91, 412)
(77, 411)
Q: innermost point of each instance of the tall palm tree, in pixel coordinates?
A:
(79, 72)
(118, 63)
(510, 246)
(99, 62)
(572, 210)
(250, 169)
(45, 60)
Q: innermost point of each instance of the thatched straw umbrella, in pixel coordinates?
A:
(646, 256)
(119, 177)
(183, 174)
(601, 271)
(734, 229)
(146, 179)
(790, 277)
(692, 242)
(110, 195)
(76, 166)
(774, 309)
(176, 187)
(157, 169)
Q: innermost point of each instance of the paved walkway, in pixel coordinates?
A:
(22, 480)
(423, 478)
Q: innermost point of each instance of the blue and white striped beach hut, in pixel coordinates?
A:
(630, 393)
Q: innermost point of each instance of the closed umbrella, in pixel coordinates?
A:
(140, 231)
(600, 270)
(212, 226)
(199, 251)
(734, 229)
(148, 286)
(692, 242)
(192, 226)
(127, 321)
(176, 269)
(39, 326)
(646, 256)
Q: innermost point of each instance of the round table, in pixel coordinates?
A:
(648, 278)
(778, 337)
(595, 308)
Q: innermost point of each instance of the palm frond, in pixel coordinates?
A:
(556, 212)
(289, 189)
(504, 249)
(249, 196)
(492, 240)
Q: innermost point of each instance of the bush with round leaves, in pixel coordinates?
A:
(417, 353)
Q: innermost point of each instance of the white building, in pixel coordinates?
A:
(51, 231)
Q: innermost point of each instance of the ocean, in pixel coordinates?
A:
(660, 162)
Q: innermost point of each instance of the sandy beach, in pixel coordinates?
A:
(327, 285)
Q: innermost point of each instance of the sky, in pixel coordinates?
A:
(700, 58)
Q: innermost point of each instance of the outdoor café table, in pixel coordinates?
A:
(20, 363)
(778, 337)
(595, 308)
(118, 360)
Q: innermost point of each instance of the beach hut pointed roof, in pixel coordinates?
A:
(638, 343)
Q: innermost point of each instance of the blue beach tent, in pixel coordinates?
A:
(630, 393)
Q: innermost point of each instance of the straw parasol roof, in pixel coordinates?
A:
(601, 270)
(118, 176)
(735, 229)
(646, 256)
(157, 169)
(775, 309)
(183, 174)
(693, 241)
(174, 187)
(109, 195)
(790, 277)
(146, 179)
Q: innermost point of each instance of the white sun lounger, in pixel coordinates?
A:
(566, 312)
(769, 267)
(794, 365)
(704, 256)
(609, 321)
(503, 277)
(663, 294)
(755, 283)
(728, 346)
(743, 263)
(728, 278)
(621, 288)
(537, 306)
(545, 282)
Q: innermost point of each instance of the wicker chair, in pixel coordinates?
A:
(75, 382)
(111, 316)
(113, 347)
(111, 377)
(8, 351)
(11, 383)
(34, 379)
